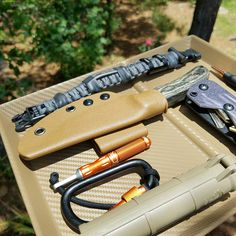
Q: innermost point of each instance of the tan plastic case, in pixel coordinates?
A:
(180, 141)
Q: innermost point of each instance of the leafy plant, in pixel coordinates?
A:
(70, 33)
(162, 22)
(18, 225)
(150, 4)
(150, 43)
(5, 168)
(11, 88)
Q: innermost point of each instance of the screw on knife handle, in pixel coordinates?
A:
(107, 161)
(229, 78)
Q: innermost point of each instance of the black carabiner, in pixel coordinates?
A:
(149, 178)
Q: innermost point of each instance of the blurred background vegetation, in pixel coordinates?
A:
(49, 41)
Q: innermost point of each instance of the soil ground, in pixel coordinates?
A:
(137, 26)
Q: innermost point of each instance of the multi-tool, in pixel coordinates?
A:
(215, 105)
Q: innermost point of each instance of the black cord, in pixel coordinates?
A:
(149, 178)
(98, 82)
(54, 178)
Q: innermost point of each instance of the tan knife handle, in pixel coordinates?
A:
(77, 122)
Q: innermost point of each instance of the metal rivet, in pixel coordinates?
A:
(193, 94)
(39, 131)
(189, 101)
(203, 87)
(70, 109)
(228, 107)
(88, 102)
(105, 96)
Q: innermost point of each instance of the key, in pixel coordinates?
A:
(232, 128)
(215, 118)
(223, 115)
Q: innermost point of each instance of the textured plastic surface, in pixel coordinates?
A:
(180, 141)
(119, 138)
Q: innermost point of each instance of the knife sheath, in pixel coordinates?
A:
(112, 141)
(77, 123)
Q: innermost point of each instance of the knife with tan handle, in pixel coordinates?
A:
(101, 114)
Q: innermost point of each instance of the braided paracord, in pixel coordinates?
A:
(96, 83)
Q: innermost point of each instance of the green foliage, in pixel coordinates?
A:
(18, 225)
(192, 2)
(18, 222)
(6, 172)
(229, 4)
(150, 43)
(226, 20)
(68, 32)
(152, 4)
(162, 22)
(11, 88)
(5, 168)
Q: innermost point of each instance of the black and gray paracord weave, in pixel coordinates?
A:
(96, 83)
